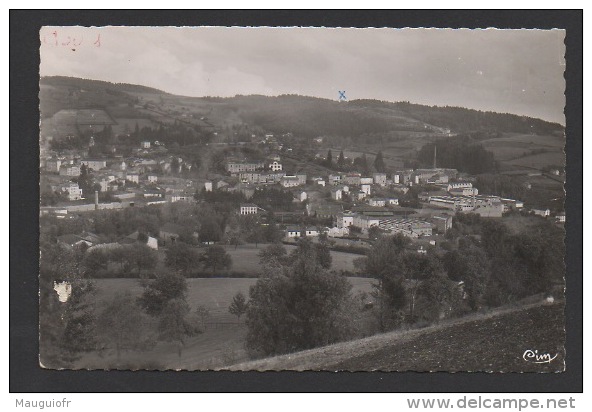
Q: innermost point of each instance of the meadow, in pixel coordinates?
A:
(221, 343)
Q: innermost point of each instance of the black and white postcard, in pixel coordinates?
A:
(302, 198)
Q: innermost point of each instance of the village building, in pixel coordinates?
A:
(249, 209)
(407, 227)
(53, 165)
(72, 189)
(324, 210)
(380, 179)
(169, 233)
(376, 201)
(542, 212)
(334, 180)
(275, 166)
(352, 179)
(143, 238)
(94, 164)
(442, 222)
(239, 167)
(133, 177)
(312, 231)
(336, 193)
(319, 181)
(293, 231)
(72, 241)
(70, 170)
(290, 181)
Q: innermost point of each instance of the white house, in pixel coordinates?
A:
(152, 178)
(275, 166)
(336, 194)
(375, 201)
(293, 231)
(380, 179)
(248, 209)
(302, 196)
(542, 212)
(145, 145)
(290, 181)
(345, 220)
(133, 177)
(365, 222)
(366, 188)
(208, 186)
(560, 217)
(393, 201)
(337, 231)
(94, 164)
(319, 181)
(70, 170)
(334, 179)
(312, 231)
(366, 180)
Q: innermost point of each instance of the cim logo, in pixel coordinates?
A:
(536, 357)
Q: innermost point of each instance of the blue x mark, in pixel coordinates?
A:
(342, 95)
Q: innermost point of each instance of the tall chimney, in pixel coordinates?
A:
(96, 200)
(435, 147)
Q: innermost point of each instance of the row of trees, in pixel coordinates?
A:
(359, 163)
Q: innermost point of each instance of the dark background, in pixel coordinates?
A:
(25, 373)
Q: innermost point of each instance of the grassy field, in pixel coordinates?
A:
(493, 342)
(539, 160)
(245, 258)
(245, 261)
(222, 343)
(520, 150)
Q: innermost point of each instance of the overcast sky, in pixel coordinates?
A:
(515, 71)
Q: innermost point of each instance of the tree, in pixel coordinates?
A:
(273, 255)
(320, 252)
(95, 260)
(329, 160)
(216, 258)
(417, 270)
(181, 257)
(121, 323)
(382, 263)
(144, 258)
(238, 306)
(374, 232)
(79, 319)
(298, 307)
(379, 163)
(175, 165)
(161, 290)
(341, 160)
(471, 265)
(203, 314)
(210, 231)
(172, 323)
